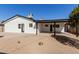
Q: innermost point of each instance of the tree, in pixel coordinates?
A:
(74, 18)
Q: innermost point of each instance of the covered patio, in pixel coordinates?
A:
(51, 26)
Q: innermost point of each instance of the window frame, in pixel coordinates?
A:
(30, 25)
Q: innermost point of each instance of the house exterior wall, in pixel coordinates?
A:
(43, 28)
(12, 26)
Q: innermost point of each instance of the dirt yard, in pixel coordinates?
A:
(29, 43)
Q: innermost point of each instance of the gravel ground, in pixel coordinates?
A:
(20, 43)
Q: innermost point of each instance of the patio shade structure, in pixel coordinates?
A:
(54, 29)
(50, 21)
(36, 28)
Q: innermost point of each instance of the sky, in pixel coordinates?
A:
(45, 11)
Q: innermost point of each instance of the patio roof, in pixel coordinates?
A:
(52, 20)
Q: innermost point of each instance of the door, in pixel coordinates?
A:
(51, 28)
(22, 27)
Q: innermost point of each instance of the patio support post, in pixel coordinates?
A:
(76, 28)
(54, 29)
(36, 28)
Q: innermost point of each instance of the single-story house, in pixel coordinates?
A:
(23, 24)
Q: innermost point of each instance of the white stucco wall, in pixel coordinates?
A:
(12, 26)
(42, 27)
(47, 29)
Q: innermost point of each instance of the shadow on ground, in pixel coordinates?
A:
(67, 41)
(2, 53)
(1, 36)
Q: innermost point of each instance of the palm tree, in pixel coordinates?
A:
(74, 17)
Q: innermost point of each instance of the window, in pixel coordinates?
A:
(57, 25)
(30, 25)
(46, 25)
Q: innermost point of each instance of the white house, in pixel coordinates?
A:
(22, 24)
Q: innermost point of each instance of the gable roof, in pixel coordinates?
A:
(38, 21)
(18, 16)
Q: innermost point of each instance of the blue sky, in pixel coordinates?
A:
(46, 11)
